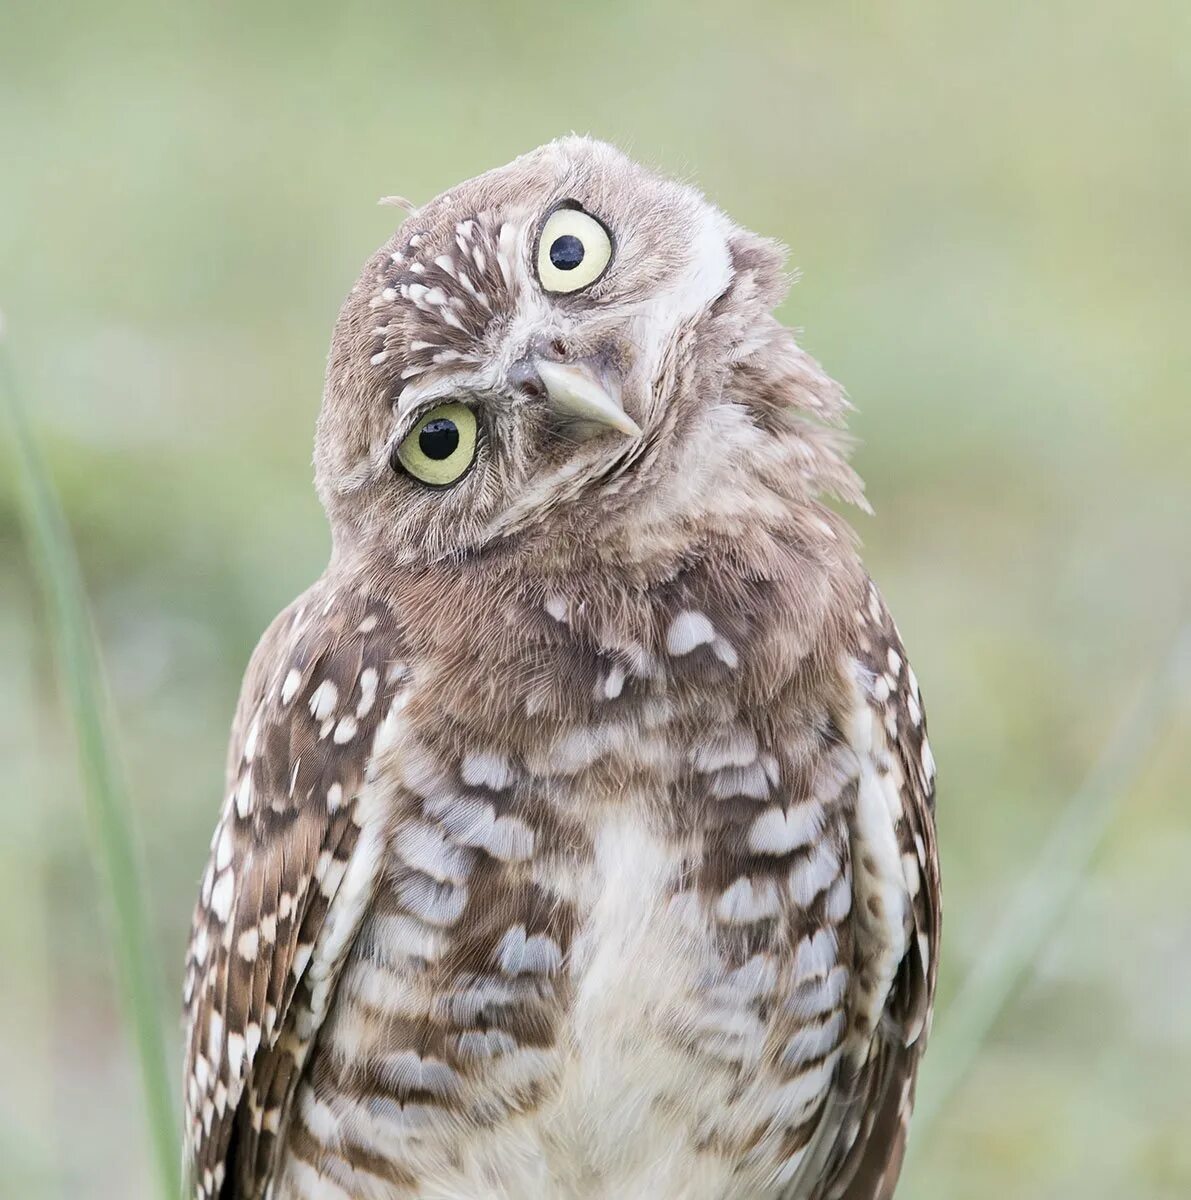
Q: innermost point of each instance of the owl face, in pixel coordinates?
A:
(527, 357)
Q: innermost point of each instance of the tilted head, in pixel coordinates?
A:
(569, 351)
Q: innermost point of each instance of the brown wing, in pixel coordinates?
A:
(291, 868)
(898, 910)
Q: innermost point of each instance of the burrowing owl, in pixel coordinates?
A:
(579, 836)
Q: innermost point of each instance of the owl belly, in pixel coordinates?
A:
(588, 1010)
(633, 1098)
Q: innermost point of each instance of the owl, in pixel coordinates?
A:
(579, 829)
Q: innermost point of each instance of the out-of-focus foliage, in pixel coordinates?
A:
(989, 208)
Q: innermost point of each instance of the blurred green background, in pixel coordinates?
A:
(990, 207)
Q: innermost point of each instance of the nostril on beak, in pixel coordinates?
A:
(523, 375)
(579, 392)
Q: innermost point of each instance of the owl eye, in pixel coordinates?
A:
(441, 446)
(574, 250)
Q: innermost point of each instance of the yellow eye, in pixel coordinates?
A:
(441, 446)
(574, 250)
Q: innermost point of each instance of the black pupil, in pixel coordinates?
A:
(439, 439)
(566, 252)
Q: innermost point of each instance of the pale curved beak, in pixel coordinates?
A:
(575, 391)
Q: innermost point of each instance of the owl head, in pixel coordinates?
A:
(569, 352)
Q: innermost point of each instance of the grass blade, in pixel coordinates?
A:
(1048, 889)
(109, 818)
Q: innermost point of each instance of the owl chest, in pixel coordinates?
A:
(558, 988)
(635, 1096)
(588, 1045)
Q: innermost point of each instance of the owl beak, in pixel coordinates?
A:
(575, 392)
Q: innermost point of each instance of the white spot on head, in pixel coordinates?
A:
(556, 606)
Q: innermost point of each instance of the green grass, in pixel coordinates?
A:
(84, 697)
(1050, 882)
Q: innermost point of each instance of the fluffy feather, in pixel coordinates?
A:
(597, 782)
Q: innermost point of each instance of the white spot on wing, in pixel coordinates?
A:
(324, 700)
(368, 685)
(289, 689)
(222, 894)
